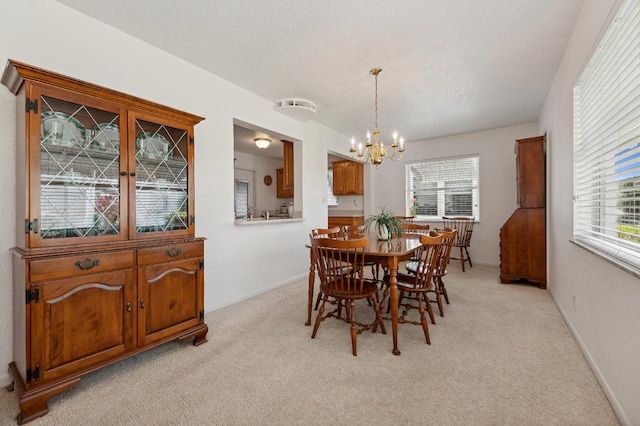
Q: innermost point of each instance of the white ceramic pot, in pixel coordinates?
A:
(382, 232)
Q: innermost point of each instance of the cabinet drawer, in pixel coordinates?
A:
(170, 253)
(80, 264)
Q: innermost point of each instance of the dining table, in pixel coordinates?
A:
(386, 253)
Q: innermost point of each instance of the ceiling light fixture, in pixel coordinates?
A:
(262, 143)
(376, 151)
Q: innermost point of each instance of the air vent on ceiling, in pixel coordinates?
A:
(299, 109)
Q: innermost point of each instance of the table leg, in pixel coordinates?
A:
(393, 301)
(312, 277)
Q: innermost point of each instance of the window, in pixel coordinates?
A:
(242, 198)
(443, 187)
(606, 175)
(332, 200)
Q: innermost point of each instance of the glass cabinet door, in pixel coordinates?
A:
(162, 174)
(79, 186)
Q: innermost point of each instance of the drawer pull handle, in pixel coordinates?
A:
(87, 264)
(173, 252)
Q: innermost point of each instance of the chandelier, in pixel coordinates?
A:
(376, 150)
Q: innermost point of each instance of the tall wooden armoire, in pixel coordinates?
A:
(523, 235)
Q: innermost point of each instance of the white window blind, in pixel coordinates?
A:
(443, 187)
(606, 215)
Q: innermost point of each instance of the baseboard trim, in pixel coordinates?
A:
(617, 408)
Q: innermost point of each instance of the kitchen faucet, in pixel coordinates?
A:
(264, 214)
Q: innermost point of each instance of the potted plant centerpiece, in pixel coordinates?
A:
(386, 224)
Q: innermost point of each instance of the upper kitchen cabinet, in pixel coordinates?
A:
(96, 165)
(284, 176)
(348, 178)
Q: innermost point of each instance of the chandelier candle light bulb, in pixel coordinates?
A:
(376, 151)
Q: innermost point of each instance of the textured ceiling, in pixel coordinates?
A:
(449, 67)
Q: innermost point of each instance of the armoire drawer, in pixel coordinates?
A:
(80, 264)
(170, 253)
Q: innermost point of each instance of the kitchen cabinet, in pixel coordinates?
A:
(523, 235)
(106, 264)
(281, 191)
(284, 176)
(341, 221)
(288, 168)
(348, 178)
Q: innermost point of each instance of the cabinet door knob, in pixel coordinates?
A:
(123, 173)
(129, 307)
(132, 174)
(142, 303)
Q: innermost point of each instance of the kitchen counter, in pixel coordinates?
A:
(263, 221)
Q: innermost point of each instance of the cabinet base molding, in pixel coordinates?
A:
(34, 402)
(512, 279)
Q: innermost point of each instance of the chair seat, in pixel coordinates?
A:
(333, 290)
(412, 266)
(407, 283)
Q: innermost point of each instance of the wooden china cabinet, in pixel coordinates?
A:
(106, 263)
(523, 235)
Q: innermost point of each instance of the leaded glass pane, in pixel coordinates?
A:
(161, 177)
(79, 170)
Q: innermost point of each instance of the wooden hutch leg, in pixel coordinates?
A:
(34, 402)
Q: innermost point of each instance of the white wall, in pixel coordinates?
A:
(606, 318)
(239, 261)
(497, 181)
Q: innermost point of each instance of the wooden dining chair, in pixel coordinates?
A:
(448, 237)
(414, 287)
(405, 219)
(331, 232)
(414, 229)
(358, 231)
(332, 256)
(464, 227)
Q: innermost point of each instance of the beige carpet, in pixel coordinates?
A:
(502, 355)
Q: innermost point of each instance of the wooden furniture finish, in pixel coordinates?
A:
(281, 191)
(414, 228)
(386, 253)
(523, 235)
(332, 257)
(342, 221)
(96, 292)
(448, 237)
(415, 287)
(464, 230)
(348, 178)
(284, 176)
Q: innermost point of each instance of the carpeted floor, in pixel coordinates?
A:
(502, 355)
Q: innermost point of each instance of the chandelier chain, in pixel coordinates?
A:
(376, 151)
